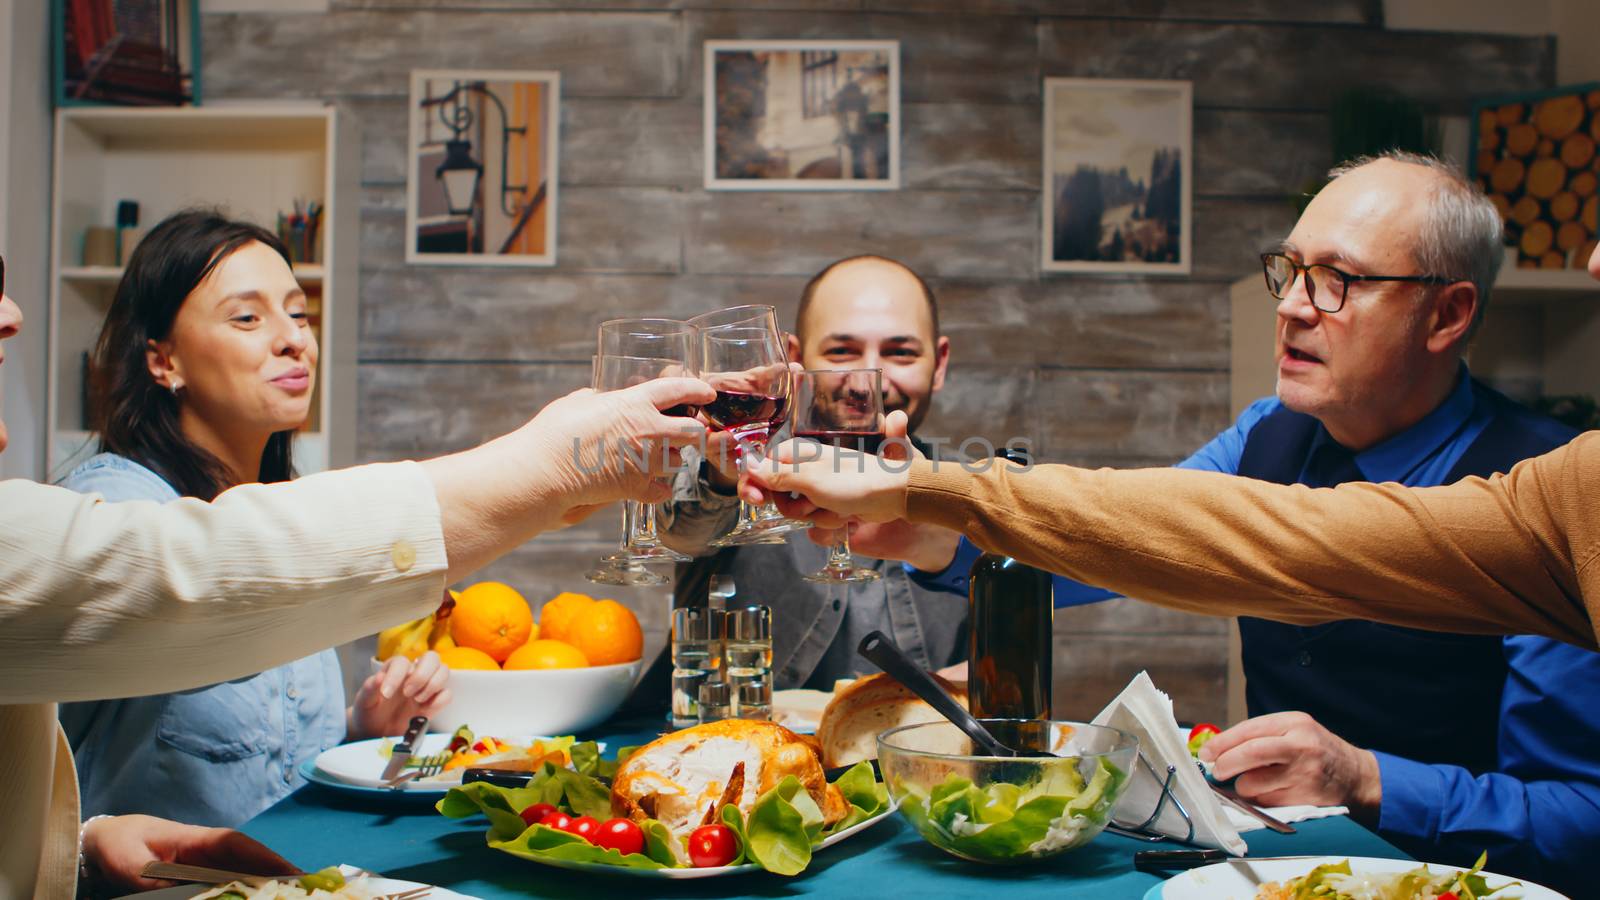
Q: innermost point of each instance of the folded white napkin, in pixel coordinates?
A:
(1147, 714)
(1243, 822)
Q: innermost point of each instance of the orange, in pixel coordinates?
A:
(467, 658)
(491, 617)
(607, 633)
(546, 654)
(555, 620)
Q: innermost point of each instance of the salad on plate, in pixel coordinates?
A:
(651, 812)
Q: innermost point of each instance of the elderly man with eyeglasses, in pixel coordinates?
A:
(1447, 744)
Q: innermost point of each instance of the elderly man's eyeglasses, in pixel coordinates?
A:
(1325, 286)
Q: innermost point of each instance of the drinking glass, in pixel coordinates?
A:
(842, 407)
(747, 660)
(745, 361)
(633, 351)
(715, 702)
(696, 659)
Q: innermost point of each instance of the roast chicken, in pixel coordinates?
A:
(681, 779)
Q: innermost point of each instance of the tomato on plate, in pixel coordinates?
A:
(583, 826)
(557, 820)
(1201, 733)
(712, 845)
(620, 835)
(537, 813)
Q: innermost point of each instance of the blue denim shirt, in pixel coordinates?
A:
(213, 756)
(1538, 814)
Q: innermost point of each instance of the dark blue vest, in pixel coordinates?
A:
(1417, 694)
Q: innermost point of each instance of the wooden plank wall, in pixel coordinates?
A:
(1099, 370)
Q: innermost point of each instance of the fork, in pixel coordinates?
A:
(204, 875)
(427, 767)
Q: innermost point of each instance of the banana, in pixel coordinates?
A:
(439, 637)
(409, 640)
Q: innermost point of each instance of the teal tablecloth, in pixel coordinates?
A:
(404, 838)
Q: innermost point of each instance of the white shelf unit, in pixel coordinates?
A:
(253, 162)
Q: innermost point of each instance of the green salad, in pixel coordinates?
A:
(1006, 822)
(1335, 881)
(779, 834)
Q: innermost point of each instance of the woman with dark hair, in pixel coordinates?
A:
(203, 370)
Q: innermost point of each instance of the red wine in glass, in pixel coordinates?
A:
(686, 410)
(864, 441)
(740, 411)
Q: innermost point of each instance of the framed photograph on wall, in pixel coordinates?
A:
(482, 172)
(802, 115)
(1117, 185)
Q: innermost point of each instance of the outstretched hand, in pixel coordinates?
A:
(832, 485)
(116, 849)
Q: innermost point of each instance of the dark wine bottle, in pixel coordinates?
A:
(1010, 611)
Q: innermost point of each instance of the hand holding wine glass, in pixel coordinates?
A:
(842, 408)
(636, 351)
(927, 547)
(743, 357)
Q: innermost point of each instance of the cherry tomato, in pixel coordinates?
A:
(712, 845)
(557, 820)
(1199, 734)
(620, 835)
(480, 747)
(537, 813)
(585, 827)
(1448, 895)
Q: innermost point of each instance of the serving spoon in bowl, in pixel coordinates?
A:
(882, 651)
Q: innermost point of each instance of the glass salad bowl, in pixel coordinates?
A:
(1007, 809)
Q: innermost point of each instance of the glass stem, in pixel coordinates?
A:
(643, 534)
(627, 524)
(839, 558)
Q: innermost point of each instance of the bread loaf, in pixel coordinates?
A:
(867, 708)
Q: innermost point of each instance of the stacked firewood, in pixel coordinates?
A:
(1538, 163)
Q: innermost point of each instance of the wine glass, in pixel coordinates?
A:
(751, 378)
(633, 351)
(762, 524)
(842, 407)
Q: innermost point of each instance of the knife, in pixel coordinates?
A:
(1173, 860)
(402, 751)
(1251, 809)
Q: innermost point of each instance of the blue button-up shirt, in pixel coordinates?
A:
(213, 756)
(1538, 814)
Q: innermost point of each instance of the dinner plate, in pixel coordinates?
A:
(357, 766)
(1238, 879)
(380, 887)
(716, 872)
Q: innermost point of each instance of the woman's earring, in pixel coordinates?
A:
(173, 387)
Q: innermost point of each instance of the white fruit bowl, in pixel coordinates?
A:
(533, 702)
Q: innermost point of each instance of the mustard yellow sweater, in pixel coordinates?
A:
(1511, 554)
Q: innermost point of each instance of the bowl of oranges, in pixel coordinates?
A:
(513, 672)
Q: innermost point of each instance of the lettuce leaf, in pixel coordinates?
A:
(1005, 821)
(540, 841)
(781, 827)
(866, 795)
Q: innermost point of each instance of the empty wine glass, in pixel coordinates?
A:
(842, 407)
(733, 331)
(633, 351)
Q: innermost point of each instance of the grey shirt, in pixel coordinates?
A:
(815, 627)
